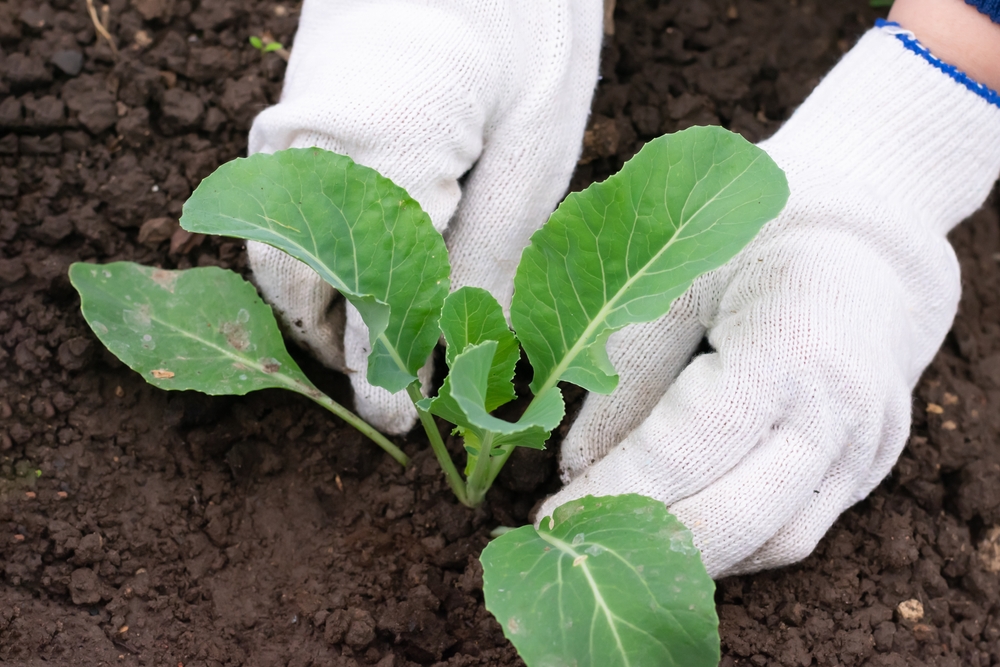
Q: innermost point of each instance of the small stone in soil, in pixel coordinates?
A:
(989, 550)
(910, 610)
(70, 61)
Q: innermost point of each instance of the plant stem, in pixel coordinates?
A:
(363, 426)
(501, 530)
(101, 27)
(497, 462)
(503, 453)
(478, 483)
(437, 444)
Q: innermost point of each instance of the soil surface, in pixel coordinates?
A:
(140, 527)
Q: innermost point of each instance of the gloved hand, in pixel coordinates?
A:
(476, 108)
(821, 327)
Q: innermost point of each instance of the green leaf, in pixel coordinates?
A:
(273, 46)
(545, 412)
(616, 582)
(461, 400)
(536, 424)
(621, 251)
(256, 42)
(471, 316)
(363, 234)
(462, 396)
(203, 329)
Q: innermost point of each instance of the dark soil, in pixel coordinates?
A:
(139, 527)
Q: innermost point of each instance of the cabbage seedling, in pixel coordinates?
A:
(265, 47)
(606, 581)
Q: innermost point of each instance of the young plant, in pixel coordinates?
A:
(265, 46)
(617, 571)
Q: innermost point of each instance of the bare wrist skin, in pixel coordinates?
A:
(955, 33)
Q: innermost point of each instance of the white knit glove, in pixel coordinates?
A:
(821, 327)
(425, 91)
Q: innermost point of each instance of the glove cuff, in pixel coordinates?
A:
(989, 7)
(910, 41)
(911, 130)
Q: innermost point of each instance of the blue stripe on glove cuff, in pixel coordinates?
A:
(911, 43)
(989, 7)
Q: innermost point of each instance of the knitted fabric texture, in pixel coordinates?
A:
(989, 7)
(821, 327)
(494, 94)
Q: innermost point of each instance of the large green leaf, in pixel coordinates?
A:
(616, 582)
(204, 329)
(363, 234)
(471, 316)
(621, 251)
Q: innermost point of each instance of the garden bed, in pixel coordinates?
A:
(139, 527)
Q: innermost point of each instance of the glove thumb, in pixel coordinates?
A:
(390, 413)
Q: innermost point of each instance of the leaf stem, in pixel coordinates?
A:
(437, 444)
(479, 483)
(360, 424)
